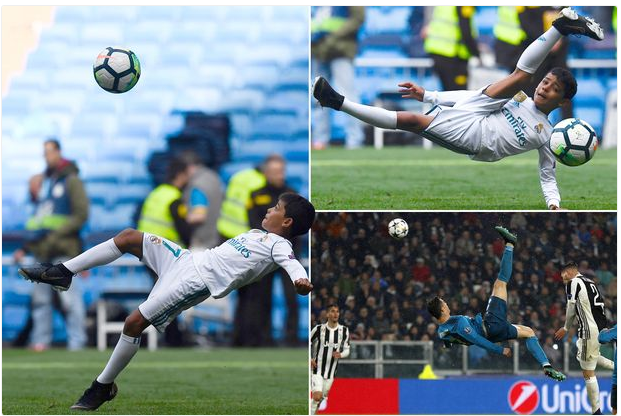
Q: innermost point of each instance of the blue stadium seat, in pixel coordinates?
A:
(192, 32)
(593, 116)
(485, 19)
(296, 33)
(37, 79)
(133, 193)
(241, 124)
(65, 33)
(72, 78)
(72, 14)
(268, 123)
(223, 51)
(246, 13)
(80, 148)
(260, 76)
(297, 14)
(113, 14)
(16, 104)
(164, 13)
(244, 32)
(201, 13)
(93, 125)
(591, 93)
(111, 172)
(254, 151)
(297, 170)
(383, 52)
(101, 103)
(195, 98)
(220, 75)
(294, 78)
(106, 34)
(275, 53)
(289, 100)
(182, 53)
(386, 19)
(149, 31)
(243, 100)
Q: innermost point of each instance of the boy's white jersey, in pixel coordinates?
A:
(505, 127)
(517, 128)
(244, 259)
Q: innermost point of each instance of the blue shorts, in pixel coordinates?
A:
(495, 321)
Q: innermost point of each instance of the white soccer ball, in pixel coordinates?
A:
(573, 142)
(116, 70)
(398, 228)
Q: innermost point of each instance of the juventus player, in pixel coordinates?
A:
(495, 121)
(585, 302)
(329, 343)
(185, 278)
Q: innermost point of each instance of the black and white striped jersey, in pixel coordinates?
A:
(324, 342)
(585, 302)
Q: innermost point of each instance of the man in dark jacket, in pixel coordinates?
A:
(61, 210)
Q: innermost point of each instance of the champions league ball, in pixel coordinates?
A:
(573, 142)
(398, 228)
(116, 70)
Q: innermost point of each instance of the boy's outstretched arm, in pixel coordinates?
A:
(303, 286)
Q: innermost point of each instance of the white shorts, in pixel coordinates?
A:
(178, 286)
(459, 128)
(588, 353)
(318, 383)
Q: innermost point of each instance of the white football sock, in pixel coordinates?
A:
(375, 116)
(593, 392)
(101, 254)
(124, 351)
(605, 363)
(537, 51)
(314, 406)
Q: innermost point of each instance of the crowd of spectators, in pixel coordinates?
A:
(382, 284)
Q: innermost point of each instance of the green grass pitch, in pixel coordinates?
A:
(412, 178)
(167, 381)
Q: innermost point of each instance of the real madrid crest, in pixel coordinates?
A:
(520, 97)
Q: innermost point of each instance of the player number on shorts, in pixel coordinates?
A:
(172, 250)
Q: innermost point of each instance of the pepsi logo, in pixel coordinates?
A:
(523, 397)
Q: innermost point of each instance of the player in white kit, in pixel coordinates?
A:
(493, 122)
(329, 343)
(185, 278)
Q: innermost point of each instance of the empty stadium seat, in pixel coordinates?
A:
(593, 116)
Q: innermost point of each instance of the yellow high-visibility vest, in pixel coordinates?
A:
(233, 218)
(444, 35)
(508, 28)
(155, 217)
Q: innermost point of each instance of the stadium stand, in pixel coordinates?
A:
(216, 62)
(356, 265)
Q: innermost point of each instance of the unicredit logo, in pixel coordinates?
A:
(523, 397)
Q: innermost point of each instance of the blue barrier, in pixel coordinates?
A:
(499, 395)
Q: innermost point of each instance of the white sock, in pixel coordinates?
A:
(99, 255)
(605, 363)
(314, 406)
(593, 393)
(375, 116)
(537, 51)
(124, 351)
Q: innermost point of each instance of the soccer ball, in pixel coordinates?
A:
(116, 70)
(398, 228)
(573, 142)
